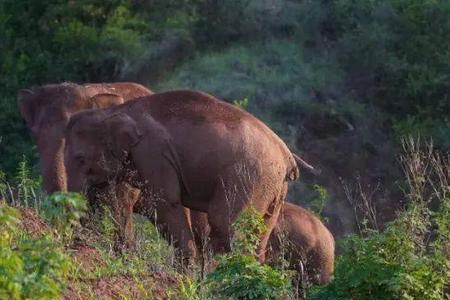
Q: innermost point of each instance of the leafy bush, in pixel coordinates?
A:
(243, 277)
(63, 211)
(239, 275)
(30, 268)
(248, 228)
(410, 258)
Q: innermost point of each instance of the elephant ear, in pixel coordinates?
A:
(123, 134)
(26, 104)
(104, 100)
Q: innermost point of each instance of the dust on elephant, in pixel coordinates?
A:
(47, 110)
(183, 148)
(305, 240)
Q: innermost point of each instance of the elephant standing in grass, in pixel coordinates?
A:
(305, 242)
(47, 110)
(183, 148)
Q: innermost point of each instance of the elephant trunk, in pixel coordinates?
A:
(52, 164)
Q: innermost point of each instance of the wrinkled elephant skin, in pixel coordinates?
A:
(183, 148)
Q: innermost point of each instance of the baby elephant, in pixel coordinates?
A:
(305, 240)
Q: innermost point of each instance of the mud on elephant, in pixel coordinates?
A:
(47, 110)
(305, 242)
(183, 148)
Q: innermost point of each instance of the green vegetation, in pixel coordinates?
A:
(409, 259)
(347, 78)
(30, 267)
(341, 58)
(24, 189)
(239, 275)
(63, 211)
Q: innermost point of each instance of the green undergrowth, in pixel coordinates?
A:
(410, 258)
(239, 275)
(73, 255)
(30, 267)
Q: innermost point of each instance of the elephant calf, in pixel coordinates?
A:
(185, 149)
(305, 240)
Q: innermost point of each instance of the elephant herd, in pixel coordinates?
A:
(183, 158)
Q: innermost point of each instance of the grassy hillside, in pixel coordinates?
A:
(45, 253)
(342, 82)
(304, 99)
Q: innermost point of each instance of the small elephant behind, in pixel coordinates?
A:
(305, 240)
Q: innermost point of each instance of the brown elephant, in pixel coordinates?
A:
(306, 243)
(183, 148)
(47, 110)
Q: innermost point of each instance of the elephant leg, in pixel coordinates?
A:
(200, 227)
(162, 202)
(122, 204)
(271, 218)
(220, 235)
(243, 187)
(230, 198)
(173, 221)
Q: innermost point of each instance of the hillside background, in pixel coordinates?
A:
(340, 81)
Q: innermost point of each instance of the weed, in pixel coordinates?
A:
(242, 104)
(63, 211)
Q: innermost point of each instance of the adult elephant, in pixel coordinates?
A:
(183, 148)
(305, 242)
(47, 110)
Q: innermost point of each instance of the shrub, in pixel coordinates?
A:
(410, 258)
(243, 277)
(30, 268)
(248, 228)
(239, 275)
(63, 211)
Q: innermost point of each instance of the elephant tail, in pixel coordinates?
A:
(301, 163)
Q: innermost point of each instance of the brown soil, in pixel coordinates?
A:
(31, 222)
(152, 286)
(88, 259)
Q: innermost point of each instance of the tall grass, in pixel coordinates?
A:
(24, 189)
(410, 257)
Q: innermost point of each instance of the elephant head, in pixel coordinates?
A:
(97, 147)
(47, 110)
(104, 152)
